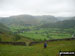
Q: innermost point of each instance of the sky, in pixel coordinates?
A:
(63, 8)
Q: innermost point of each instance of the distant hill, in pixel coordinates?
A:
(65, 18)
(47, 19)
(28, 20)
(44, 21)
(69, 23)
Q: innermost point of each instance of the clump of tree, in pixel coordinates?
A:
(45, 39)
(17, 37)
(0, 39)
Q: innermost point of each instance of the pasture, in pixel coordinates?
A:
(40, 34)
(37, 49)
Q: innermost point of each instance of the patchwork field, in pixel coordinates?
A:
(35, 33)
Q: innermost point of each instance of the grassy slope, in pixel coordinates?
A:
(37, 50)
(6, 37)
(10, 38)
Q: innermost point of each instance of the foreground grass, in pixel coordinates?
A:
(37, 50)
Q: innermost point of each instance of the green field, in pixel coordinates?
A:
(35, 33)
(37, 50)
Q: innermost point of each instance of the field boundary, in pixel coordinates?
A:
(67, 39)
(35, 42)
(14, 43)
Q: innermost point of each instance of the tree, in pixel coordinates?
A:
(0, 39)
(17, 37)
(44, 39)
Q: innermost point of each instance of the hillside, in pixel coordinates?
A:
(53, 49)
(4, 33)
(7, 36)
(3, 28)
(70, 23)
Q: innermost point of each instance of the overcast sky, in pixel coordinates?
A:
(37, 7)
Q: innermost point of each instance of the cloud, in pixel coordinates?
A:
(37, 7)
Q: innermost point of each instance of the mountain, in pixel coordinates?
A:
(68, 23)
(47, 19)
(21, 19)
(65, 18)
(28, 20)
(44, 21)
